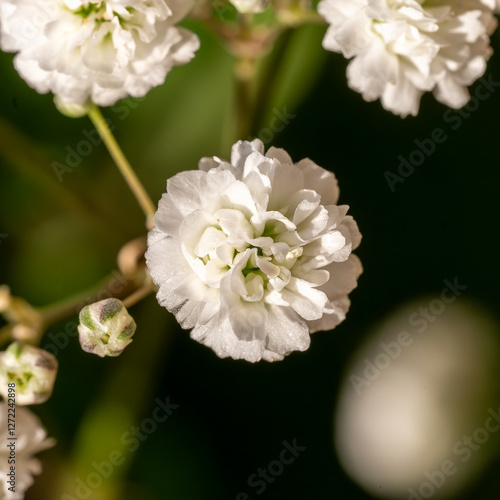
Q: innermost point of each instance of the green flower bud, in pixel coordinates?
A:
(31, 369)
(106, 328)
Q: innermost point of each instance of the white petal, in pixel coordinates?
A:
(304, 299)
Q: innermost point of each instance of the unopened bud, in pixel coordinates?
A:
(131, 261)
(31, 369)
(250, 6)
(106, 328)
(71, 110)
(24, 333)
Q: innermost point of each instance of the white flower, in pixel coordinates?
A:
(31, 439)
(97, 50)
(403, 48)
(254, 254)
(250, 6)
(32, 369)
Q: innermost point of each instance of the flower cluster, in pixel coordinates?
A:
(96, 50)
(403, 48)
(255, 254)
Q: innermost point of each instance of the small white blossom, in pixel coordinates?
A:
(32, 369)
(403, 48)
(106, 328)
(254, 255)
(97, 50)
(250, 6)
(31, 439)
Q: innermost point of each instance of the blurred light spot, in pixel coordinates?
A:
(426, 379)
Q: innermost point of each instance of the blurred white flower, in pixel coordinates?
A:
(97, 50)
(403, 48)
(254, 254)
(250, 6)
(31, 439)
(32, 369)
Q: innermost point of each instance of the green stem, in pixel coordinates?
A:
(53, 313)
(138, 295)
(123, 165)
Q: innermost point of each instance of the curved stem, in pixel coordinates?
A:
(123, 165)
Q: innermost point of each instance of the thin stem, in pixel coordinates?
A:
(114, 284)
(123, 165)
(138, 295)
(244, 108)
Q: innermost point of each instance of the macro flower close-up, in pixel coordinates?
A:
(401, 49)
(95, 50)
(255, 254)
(241, 250)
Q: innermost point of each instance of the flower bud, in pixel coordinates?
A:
(250, 6)
(24, 333)
(106, 328)
(31, 369)
(131, 260)
(71, 110)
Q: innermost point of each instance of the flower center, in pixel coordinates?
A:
(99, 9)
(228, 241)
(102, 12)
(21, 379)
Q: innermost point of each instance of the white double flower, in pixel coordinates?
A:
(96, 50)
(254, 255)
(403, 48)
